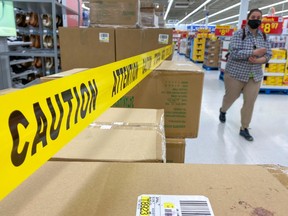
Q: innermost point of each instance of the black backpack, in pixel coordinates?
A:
(243, 37)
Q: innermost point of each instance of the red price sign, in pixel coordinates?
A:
(272, 25)
(223, 31)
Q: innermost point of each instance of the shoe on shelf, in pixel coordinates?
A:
(222, 116)
(245, 133)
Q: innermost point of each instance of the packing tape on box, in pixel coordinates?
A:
(38, 121)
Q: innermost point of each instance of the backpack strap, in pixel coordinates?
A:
(243, 34)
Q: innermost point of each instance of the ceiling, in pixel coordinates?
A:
(214, 6)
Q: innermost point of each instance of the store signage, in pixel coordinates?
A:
(7, 19)
(195, 27)
(36, 122)
(225, 31)
(272, 25)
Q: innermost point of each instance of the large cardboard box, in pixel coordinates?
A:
(61, 74)
(115, 144)
(175, 150)
(8, 90)
(129, 42)
(78, 188)
(114, 12)
(155, 38)
(175, 87)
(127, 135)
(86, 47)
(147, 16)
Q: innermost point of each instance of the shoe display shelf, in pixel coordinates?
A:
(35, 51)
(211, 54)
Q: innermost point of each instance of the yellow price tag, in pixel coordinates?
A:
(169, 205)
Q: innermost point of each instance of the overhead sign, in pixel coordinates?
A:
(272, 25)
(196, 27)
(225, 31)
(38, 121)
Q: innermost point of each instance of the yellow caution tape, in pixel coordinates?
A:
(38, 121)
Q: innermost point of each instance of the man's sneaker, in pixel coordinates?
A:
(245, 133)
(222, 116)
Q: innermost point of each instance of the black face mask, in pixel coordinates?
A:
(254, 24)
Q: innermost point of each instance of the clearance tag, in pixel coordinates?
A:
(38, 121)
(166, 205)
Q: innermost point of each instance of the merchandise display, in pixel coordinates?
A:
(35, 51)
(212, 52)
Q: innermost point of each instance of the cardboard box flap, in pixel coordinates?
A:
(77, 188)
(179, 66)
(109, 144)
(128, 116)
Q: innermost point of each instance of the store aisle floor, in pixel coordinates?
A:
(219, 143)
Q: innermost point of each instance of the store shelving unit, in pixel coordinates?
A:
(23, 49)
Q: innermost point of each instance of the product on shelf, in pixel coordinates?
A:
(212, 50)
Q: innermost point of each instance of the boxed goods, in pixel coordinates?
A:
(155, 38)
(120, 135)
(175, 87)
(114, 12)
(97, 188)
(86, 47)
(175, 150)
(129, 42)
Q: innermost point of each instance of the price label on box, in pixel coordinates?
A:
(272, 25)
(224, 31)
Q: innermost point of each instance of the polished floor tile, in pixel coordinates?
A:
(219, 143)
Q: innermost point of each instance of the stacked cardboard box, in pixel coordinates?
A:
(175, 87)
(120, 135)
(90, 188)
(86, 47)
(131, 42)
(114, 12)
(212, 52)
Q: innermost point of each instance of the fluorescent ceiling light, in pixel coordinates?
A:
(283, 11)
(268, 6)
(219, 12)
(190, 14)
(168, 9)
(231, 17)
(271, 5)
(229, 23)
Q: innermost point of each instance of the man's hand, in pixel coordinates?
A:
(259, 52)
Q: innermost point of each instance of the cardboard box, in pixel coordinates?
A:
(7, 91)
(132, 117)
(147, 16)
(114, 12)
(61, 74)
(77, 188)
(120, 134)
(86, 47)
(175, 87)
(175, 150)
(129, 42)
(155, 38)
(107, 142)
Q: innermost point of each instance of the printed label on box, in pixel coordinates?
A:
(104, 37)
(166, 205)
(163, 39)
